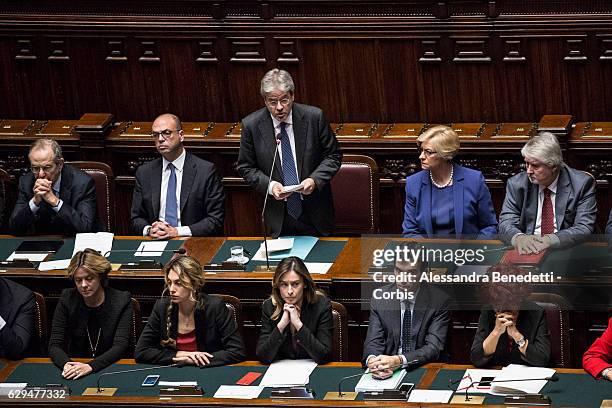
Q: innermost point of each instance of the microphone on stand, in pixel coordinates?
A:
(263, 211)
(552, 378)
(130, 371)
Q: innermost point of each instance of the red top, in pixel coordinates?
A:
(599, 356)
(187, 342)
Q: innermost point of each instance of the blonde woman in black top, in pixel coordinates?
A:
(91, 320)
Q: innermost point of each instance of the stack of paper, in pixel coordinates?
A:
(503, 385)
(238, 391)
(100, 241)
(368, 383)
(470, 380)
(288, 373)
(284, 247)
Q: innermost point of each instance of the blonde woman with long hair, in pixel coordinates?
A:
(189, 327)
(296, 320)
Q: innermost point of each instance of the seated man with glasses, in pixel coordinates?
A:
(178, 194)
(54, 198)
(308, 156)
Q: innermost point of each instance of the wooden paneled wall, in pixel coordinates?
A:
(374, 61)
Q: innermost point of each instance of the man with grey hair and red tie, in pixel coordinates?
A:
(550, 204)
(309, 156)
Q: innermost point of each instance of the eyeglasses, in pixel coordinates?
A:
(166, 133)
(45, 169)
(274, 102)
(427, 152)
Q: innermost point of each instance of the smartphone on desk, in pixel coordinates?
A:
(150, 381)
(485, 382)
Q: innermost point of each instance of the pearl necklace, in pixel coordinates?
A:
(448, 183)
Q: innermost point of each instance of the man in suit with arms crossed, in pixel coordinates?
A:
(407, 328)
(177, 194)
(309, 155)
(54, 198)
(548, 205)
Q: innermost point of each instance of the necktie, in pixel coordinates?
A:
(294, 202)
(406, 328)
(548, 221)
(171, 216)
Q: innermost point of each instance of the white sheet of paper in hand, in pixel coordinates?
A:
(151, 248)
(291, 189)
(432, 396)
(33, 256)
(286, 373)
(99, 241)
(238, 391)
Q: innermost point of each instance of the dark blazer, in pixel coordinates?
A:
(609, 224)
(430, 320)
(575, 206)
(18, 309)
(531, 323)
(69, 329)
(78, 213)
(314, 340)
(202, 197)
(216, 333)
(474, 214)
(318, 156)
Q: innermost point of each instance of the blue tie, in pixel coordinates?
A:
(171, 216)
(294, 202)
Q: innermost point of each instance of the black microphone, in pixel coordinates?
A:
(394, 367)
(131, 371)
(553, 378)
(263, 211)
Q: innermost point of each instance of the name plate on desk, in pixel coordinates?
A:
(181, 391)
(292, 393)
(16, 264)
(224, 267)
(143, 265)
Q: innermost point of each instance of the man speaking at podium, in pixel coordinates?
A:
(309, 156)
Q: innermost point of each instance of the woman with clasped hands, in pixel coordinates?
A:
(190, 327)
(296, 321)
(91, 320)
(511, 328)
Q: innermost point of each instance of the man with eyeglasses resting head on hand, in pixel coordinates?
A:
(309, 156)
(178, 194)
(54, 198)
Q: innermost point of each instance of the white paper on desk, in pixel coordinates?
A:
(99, 241)
(5, 388)
(287, 373)
(476, 374)
(274, 245)
(51, 265)
(432, 396)
(291, 189)
(177, 383)
(30, 256)
(239, 391)
(518, 372)
(318, 267)
(151, 248)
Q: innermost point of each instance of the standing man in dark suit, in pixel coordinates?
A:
(408, 321)
(178, 194)
(54, 198)
(550, 204)
(309, 155)
(609, 224)
(17, 319)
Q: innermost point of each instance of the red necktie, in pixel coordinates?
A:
(548, 219)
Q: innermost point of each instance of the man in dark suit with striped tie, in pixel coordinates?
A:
(178, 194)
(308, 156)
(54, 198)
(408, 322)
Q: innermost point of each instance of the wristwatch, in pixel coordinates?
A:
(605, 372)
(521, 342)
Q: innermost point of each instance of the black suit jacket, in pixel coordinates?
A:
(318, 156)
(575, 206)
(78, 213)
(314, 340)
(430, 320)
(609, 224)
(69, 329)
(202, 197)
(216, 333)
(531, 323)
(18, 309)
